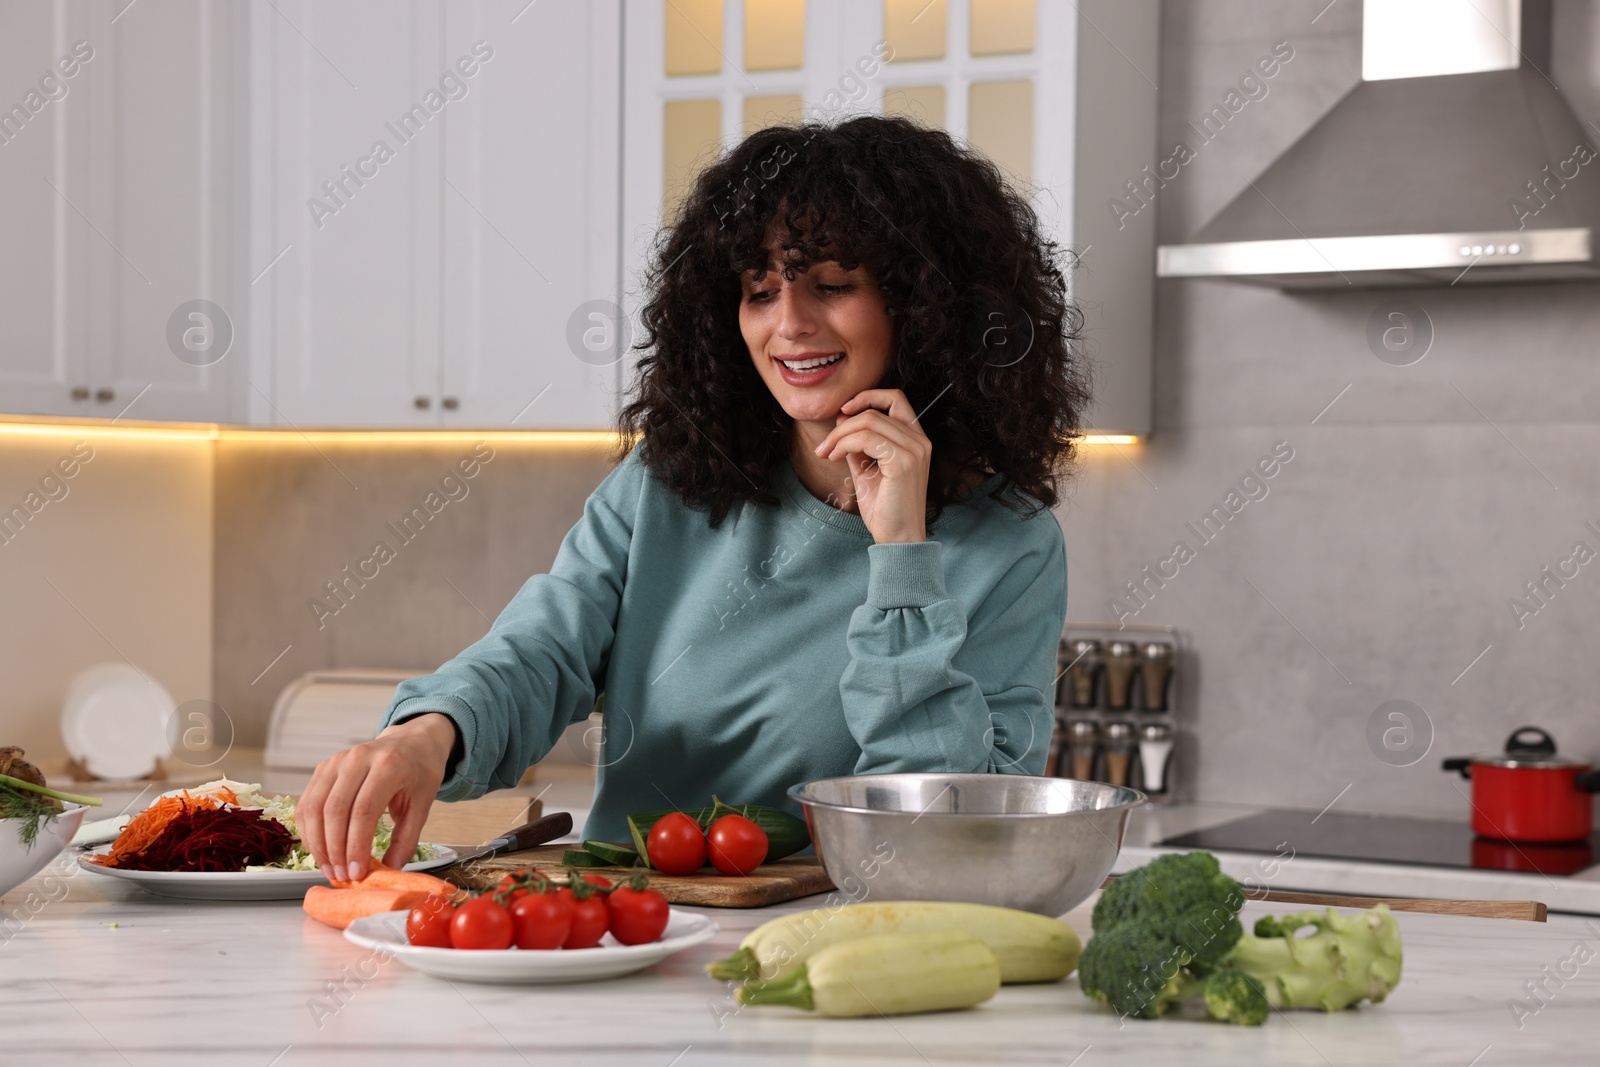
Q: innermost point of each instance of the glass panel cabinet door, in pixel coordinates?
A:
(701, 75)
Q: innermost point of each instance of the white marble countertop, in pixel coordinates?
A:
(93, 971)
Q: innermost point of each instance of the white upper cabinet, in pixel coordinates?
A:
(47, 355)
(530, 217)
(345, 243)
(116, 151)
(439, 181)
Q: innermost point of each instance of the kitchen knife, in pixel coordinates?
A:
(543, 829)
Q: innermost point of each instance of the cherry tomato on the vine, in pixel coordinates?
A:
(541, 920)
(481, 923)
(509, 888)
(736, 845)
(638, 916)
(428, 924)
(676, 845)
(590, 920)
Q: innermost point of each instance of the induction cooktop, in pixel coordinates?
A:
(1388, 839)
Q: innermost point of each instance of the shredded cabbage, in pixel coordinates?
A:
(281, 807)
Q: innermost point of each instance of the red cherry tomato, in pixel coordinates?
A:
(590, 921)
(737, 845)
(429, 923)
(511, 894)
(598, 879)
(481, 923)
(541, 920)
(676, 845)
(638, 916)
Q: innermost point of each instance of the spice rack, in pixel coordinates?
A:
(1118, 690)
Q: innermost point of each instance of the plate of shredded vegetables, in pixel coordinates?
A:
(226, 840)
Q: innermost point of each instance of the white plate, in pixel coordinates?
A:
(386, 933)
(235, 885)
(115, 720)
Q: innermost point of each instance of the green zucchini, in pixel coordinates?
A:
(577, 857)
(886, 974)
(616, 855)
(786, 834)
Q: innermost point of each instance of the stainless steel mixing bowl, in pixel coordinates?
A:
(1037, 844)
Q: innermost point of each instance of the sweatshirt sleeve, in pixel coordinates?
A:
(513, 692)
(927, 689)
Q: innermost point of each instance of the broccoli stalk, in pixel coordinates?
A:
(1348, 959)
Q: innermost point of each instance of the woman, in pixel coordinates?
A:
(831, 550)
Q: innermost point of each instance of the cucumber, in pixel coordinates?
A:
(577, 857)
(786, 834)
(1030, 948)
(886, 974)
(639, 838)
(616, 855)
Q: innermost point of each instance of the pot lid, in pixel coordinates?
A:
(1530, 746)
(1530, 759)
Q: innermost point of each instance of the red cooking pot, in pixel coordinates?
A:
(1528, 793)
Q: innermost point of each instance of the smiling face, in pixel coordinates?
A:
(816, 340)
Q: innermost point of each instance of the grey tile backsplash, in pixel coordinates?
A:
(359, 555)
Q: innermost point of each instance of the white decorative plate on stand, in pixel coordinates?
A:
(115, 719)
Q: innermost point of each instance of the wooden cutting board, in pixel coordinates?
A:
(771, 883)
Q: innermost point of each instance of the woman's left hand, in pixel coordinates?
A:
(877, 433)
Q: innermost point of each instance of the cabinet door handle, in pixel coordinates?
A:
(450, 403)
(423, 403)
(104, 396)
(80, 392)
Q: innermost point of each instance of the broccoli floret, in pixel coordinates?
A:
(1232, 996)
(1184, 898)
(1271, 926)
(1348, 959)
(1135, 970)
(1158, 931)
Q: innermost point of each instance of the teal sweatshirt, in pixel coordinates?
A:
(782, 647)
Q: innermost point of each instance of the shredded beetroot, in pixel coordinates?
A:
(213, 839)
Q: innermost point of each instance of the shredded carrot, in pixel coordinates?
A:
(146, 826)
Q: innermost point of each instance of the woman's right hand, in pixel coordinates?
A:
(399, 770)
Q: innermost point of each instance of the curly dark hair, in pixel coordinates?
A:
(984, 335)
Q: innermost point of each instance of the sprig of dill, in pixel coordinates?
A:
(21, 800)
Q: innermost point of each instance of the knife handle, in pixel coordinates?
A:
(544, 828)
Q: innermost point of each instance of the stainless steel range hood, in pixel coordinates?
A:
(1454, 160)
